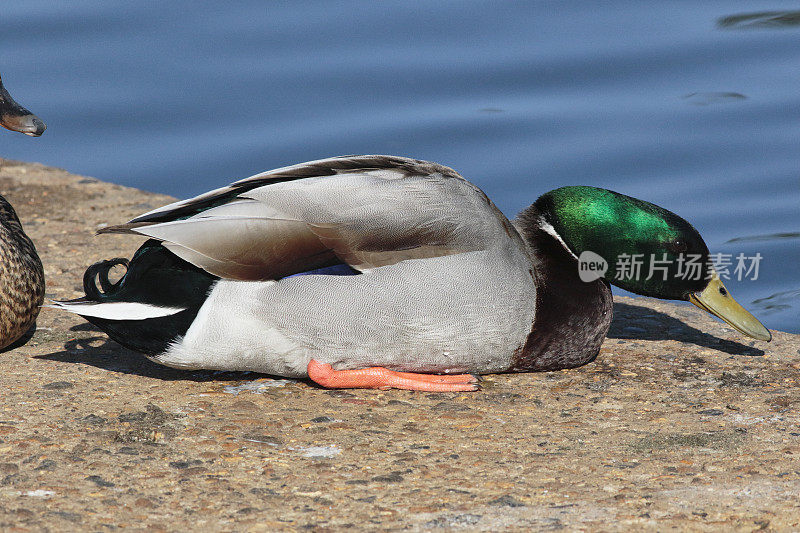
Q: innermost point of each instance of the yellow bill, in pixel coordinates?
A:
(716, 300)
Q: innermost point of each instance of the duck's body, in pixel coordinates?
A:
(21, 278)
(400, 309)
(353, 262)
(21, 272)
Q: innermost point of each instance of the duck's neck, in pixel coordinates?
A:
(572, 316)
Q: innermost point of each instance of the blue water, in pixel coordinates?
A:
(670, 102)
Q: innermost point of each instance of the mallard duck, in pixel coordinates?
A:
(378, 272)
(21, 278)
(21, 273)
(14, 117)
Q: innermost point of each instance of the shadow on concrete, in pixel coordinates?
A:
(662, 326)
(109, 355)
(22, 340)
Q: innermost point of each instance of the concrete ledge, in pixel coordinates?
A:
(680, 422)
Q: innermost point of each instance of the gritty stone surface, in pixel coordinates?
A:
(680, 423)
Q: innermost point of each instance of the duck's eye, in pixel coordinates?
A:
(723, 291)
(678, 246)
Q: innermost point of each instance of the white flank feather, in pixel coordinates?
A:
(117, 310)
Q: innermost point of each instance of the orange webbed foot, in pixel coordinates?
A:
(382, 378)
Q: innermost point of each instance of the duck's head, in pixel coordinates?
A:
(14, 117)
(648, 250)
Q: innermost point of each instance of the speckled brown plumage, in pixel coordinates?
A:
(21, 278)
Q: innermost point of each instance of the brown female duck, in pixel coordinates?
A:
(21, 272)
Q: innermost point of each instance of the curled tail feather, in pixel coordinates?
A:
(151, 305)
(98, 273)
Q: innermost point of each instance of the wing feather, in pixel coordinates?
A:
(350, 210)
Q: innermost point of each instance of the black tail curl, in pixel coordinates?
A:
(154, 276)
(98, 273)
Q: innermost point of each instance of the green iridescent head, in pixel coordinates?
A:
(644, 245)
(648, 250)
